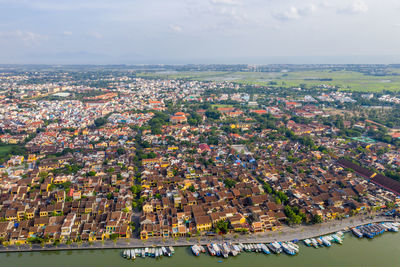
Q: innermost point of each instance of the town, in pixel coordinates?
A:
(93, 156)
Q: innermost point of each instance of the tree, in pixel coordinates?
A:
(100, 122)
(229, 183)
(121, 151)
(317, 219)
(91, 173)
(221, 227)
(213, 114)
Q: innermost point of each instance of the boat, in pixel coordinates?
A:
(128, 254)
(265, 249)
(326, 241)
(357, 232)
(202, 249)
(287, 249)
(169, 253)
(230, 249)
(319, 241)
(143, 253)
(337, 239)
(391, 227)
(210, 249)
(164, 251)
(275, 247)
(124, 253)
(307, 242)
(133, 255)
(314, 242)
(294, 246)
(146, 251)
(236, 248)
(224, 253)
(195, 250)
(216, 249)
(171, 249)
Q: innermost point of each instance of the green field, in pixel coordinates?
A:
(221, 106)
(5, 150)
(346, 80)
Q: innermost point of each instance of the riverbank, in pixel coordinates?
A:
(355, 252)
(287, 234)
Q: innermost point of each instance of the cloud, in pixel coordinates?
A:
(28, 38)
(225, 2)
(175, 28)
(356, 7)
(293, 12)
(95, 35)
(58, 5)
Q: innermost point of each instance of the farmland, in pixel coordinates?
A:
(345, 80)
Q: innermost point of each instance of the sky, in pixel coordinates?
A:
(199, 31)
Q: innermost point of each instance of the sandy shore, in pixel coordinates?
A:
(287, 234)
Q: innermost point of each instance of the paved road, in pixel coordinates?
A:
(287, 234)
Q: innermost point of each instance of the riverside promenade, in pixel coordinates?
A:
(286, 234)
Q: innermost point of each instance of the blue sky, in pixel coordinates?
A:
(199, 31)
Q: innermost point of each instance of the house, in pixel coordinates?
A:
(203, 223)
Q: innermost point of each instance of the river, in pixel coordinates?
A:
(383, 250)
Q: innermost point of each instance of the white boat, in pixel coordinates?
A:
(326, 241)
(237, 248)
(337, 239)
(201, 248)
(288, 249)
(275, 247)
(307, 242)
(128, 254)
(195, 250)
(314, 242)
(294, 246)
(133, 255)
(216, 249)
(265, 249)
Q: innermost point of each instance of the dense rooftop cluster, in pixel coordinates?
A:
(94, 157)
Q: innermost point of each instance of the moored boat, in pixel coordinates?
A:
(326, 241)
(211, 251)
(314, 242)
(265, 249)
(195, 250)
(275, 247)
